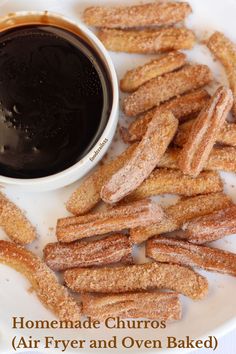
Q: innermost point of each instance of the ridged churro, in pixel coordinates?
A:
(211, 227)
(154, 305)
(137, 277)
(144, 159)
(157, 67)
(225, 51)
(169, 250)
(111, 249)
(163, 88)
(180, 213)
(147, 41)
(150, 14)
(143, 212)
(42, 279)
(204, 132)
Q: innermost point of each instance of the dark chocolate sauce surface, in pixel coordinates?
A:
(54, 100)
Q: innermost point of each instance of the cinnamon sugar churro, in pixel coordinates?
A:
(43, 281)
(154, 305)
(137, 277)
(163, 88)
(150, 14)
(111, 249)
(144, 159)
(147, 41)
(169, 250)
(180, 213)
(138, 76)
(143, 212)
(204, 132)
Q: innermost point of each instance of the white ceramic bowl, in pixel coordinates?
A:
(82, 167)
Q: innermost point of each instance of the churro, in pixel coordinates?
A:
(143, 212)
(137, 277)
(163, 88)
(180, 213)
(154, 305)
(147, 41)
(150, 14)
(138, 76)
(111, 249)
(204, 132)
(42, 279)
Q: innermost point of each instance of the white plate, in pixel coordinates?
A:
(216, 314)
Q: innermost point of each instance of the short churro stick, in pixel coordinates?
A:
(181, 107)
(211, 227)
(225, 51)
(111, 249)
(43, 280)
(180, 213)
(151, 14)
(154, 305)
(204, 132)
(147, 41)
(157, 67)
(143, 212)
(137, 277)
(163, 88)
(14, 222)
(169, 250)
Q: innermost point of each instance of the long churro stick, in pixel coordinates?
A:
(169, 250)
(44, 282)
(137, 277)
(154, 305)
(151, 14)
(180, 213)
(147, 41)
(163, 88)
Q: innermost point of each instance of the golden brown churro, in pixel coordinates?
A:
(204, 132)
(147, 41)
(143, 212)
(137, 277)
(225, 51)
(154, 305)
(181, 212)
(14, 222)
(43, 281)
(151, 14)
(138, 76)
(144, 159)
(169, 250)
(181, 107)
(211, 227)
(163, 88)
(111, 249)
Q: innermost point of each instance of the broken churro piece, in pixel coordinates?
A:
(181, 212)
(137, 277)
(225, 51)
(147, 41)
(111, 249)
(169, 250)
(154, 305)
(144, 159)
(163, 88)
(211, 227)
(14, 222)
(138, 76)
(143, 212)
(43, 280)
(151, 14)
(204, 132)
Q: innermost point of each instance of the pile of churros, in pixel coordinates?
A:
(179, 140)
